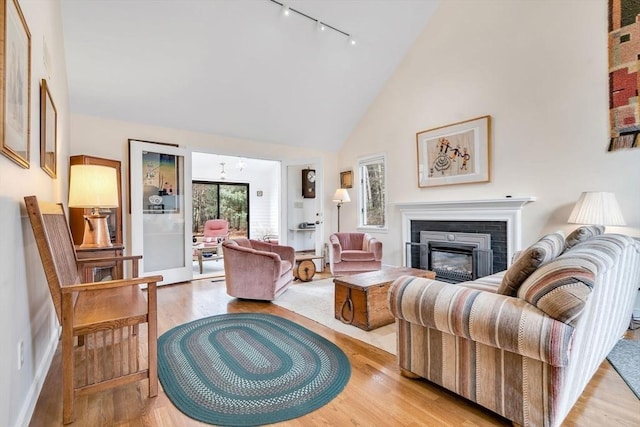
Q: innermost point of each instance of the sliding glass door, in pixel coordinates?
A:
(221, 200)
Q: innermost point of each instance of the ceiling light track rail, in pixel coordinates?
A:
(320, 24)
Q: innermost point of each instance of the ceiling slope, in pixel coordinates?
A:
(237, 67)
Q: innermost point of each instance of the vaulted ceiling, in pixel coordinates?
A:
(237, 68)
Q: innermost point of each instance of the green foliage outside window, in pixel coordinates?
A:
(373, 192)
(212, 200)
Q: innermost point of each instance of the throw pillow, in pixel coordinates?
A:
(541, 252)
(559, 288)
(582, 234)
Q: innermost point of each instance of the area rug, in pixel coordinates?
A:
(625, 359)
(315, 300)
(246, 369)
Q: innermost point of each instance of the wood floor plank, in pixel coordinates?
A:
(376, 395)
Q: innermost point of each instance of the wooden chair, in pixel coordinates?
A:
(105, 316)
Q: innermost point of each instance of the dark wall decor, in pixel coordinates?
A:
(624, 112)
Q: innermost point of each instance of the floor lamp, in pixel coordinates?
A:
(341, 196)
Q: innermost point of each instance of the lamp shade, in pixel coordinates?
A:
(341, 196)
(597, 208)
(93, 186)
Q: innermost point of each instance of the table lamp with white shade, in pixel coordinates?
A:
(341, 196)
(597, 208)
(94, 187)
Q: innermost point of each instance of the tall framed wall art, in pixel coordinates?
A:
(624, 49)
(15, 90)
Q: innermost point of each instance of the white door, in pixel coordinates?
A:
(301, 210)
(161, 210)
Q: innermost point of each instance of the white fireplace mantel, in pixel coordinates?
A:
(508, 209)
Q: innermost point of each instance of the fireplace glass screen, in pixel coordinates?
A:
(451, 262)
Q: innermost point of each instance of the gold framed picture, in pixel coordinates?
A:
(454, 154)
(48, 130)
(15, 70)
(346, 179)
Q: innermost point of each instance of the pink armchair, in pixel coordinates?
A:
(215, 231)
(354, 253)
(257, 270)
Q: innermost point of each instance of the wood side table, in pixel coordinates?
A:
(215, 252)
(102, 269)
(305, 268)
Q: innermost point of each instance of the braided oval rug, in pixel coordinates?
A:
(247, 369)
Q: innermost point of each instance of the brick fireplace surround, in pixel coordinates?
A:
(499, 217)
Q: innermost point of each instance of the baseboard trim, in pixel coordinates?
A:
(26, 412)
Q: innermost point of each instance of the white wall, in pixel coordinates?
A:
(108, 138)
(26, 311)
(539, 68)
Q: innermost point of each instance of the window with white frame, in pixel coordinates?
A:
(372, 191)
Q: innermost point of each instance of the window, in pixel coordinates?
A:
(372, 192)
(230, 201)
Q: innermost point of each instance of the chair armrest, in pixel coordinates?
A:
(110, 284)
(336, 249)
(286, 253)
(501, 321)
(371, 244)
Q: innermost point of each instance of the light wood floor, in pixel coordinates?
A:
(376, 394)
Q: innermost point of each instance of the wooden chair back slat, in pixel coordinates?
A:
(55, 245)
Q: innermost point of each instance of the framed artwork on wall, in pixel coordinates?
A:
(624, 62)
(15, 71)
(346, 179)
(48, 131)
(454, 154)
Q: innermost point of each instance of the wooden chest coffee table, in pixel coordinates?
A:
(361, 299)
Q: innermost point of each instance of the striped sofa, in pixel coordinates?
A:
(529, 356)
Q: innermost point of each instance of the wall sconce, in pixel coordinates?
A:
(341, 196)
(94, 187)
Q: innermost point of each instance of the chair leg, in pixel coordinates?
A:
(152, 335)
(67, 360)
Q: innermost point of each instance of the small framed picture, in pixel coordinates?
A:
(48, 130)
(346, 179)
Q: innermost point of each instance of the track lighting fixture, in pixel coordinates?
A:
(321, 26)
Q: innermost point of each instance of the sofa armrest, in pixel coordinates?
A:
(371, 244)
(500, 321)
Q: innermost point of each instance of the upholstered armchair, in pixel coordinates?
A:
(215, 231)
(257, 270)
(351, 253)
